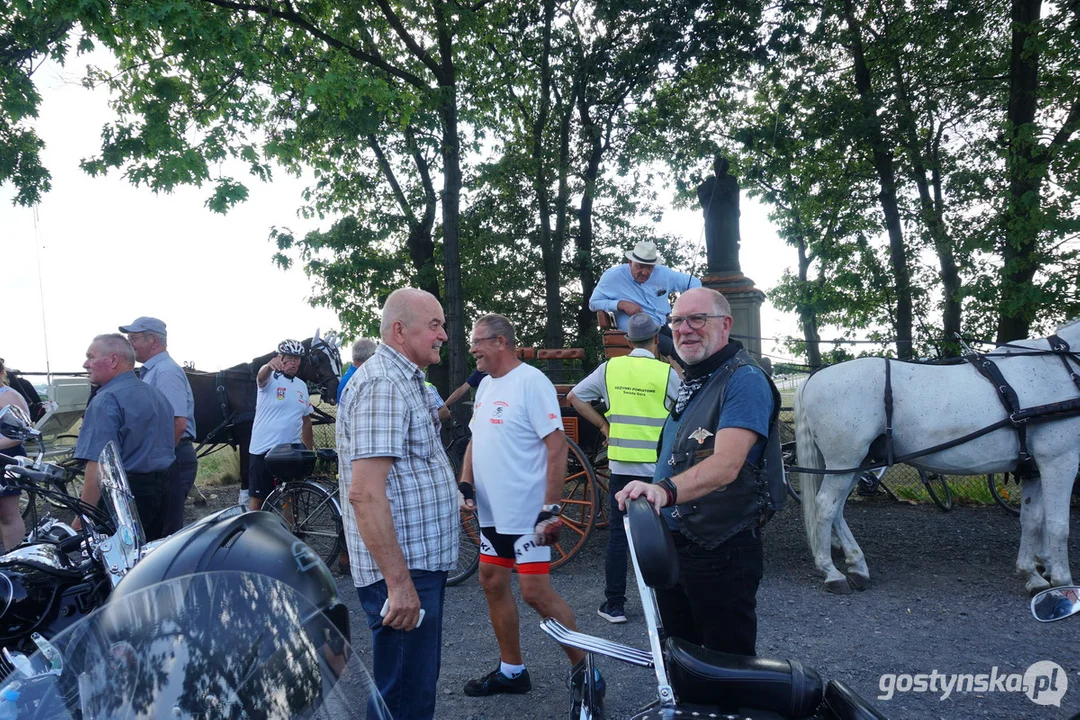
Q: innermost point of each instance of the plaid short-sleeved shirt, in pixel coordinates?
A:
(387, 413)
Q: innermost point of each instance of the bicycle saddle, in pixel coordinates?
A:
(705, 677)
(327, 454)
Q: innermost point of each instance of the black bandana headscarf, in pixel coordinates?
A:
(698, 374)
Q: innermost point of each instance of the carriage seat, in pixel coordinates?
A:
(706, 677)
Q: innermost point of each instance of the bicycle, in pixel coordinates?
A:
(307, 503)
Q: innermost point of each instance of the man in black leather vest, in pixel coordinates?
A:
(708, 480)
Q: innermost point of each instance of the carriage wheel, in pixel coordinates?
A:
(580, 504)
(468, 549)
(311, 513)
(938, 489)
(1007, 491)
(790, 455)
(603, 481)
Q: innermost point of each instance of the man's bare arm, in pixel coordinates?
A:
(556, 466)
(367, 496)
(587, 411)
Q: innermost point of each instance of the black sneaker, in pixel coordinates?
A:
(577, 690)
(611, 613)
(495, 683)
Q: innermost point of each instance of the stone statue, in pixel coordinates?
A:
(719, 198)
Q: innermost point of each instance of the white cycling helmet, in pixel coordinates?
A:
(291, 347)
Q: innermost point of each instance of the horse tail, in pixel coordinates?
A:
(809, 456)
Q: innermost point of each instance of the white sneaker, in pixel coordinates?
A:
(243, 498)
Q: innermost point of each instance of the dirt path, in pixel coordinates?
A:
(944, 597)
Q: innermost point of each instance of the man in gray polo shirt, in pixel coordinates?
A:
(135, 416)
(148, 337)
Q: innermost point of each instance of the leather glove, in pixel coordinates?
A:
(548, 525)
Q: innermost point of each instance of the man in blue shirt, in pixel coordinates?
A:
(709, 466)
(362, 349)
(641, 286)
(136, 417)
(150, 341)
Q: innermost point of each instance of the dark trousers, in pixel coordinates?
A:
(181, 477)
(149, 490)
(406, 664)
(617, 547)
(714, 604)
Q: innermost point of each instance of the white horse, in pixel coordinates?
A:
(840, 411)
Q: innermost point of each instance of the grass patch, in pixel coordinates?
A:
(219, 468)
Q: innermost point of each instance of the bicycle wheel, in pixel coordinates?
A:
(468, 549)
(579, 506)
(938, 489)
(311, 513)
(790, 454)
(1007, 491)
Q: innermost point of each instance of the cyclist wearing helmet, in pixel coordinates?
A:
(282, 415)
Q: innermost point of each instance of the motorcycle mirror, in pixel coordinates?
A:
(15, 424)
(1056, 603)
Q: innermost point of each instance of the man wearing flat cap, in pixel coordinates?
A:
(150, 341)
(641, 286)
(638, 391)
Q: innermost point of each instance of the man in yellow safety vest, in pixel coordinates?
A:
(638, 391)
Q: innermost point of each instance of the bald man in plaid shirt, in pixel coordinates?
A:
(402, 532)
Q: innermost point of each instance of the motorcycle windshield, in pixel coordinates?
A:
(212, 645)
(118, 499)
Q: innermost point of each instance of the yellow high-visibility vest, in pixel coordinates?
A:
(636, 388)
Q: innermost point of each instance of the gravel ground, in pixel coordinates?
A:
(943, 597)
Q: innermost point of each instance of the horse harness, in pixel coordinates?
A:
(1015, 416)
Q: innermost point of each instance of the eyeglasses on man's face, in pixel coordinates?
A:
(476, 341)
(695, 321)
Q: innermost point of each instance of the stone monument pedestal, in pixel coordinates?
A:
(745, 300)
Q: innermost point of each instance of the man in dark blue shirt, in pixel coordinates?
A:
(137, 418)
(711, 474)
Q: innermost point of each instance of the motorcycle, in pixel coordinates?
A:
(1056, 603)
(61, 579)
(693, 681)
(211, 645)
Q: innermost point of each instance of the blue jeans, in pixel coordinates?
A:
(617, 547)
(406, 664)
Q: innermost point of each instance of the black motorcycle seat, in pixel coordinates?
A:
(653, 545)
(845, 704)
(706, 677)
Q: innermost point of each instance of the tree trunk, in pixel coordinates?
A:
(1020, 224)
(932, 215)
(806, 310)
(550, 248)
(587, 327)
(884, 165)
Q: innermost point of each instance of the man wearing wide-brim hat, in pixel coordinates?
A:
(643, 285)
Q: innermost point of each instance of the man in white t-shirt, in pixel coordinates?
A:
(282, 415)
(516, 475)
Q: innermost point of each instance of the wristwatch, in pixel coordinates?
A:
(555, 509)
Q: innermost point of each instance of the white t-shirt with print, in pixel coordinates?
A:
(511, 417)
(280, 408)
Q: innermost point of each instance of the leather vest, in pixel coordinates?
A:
(757, 491)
